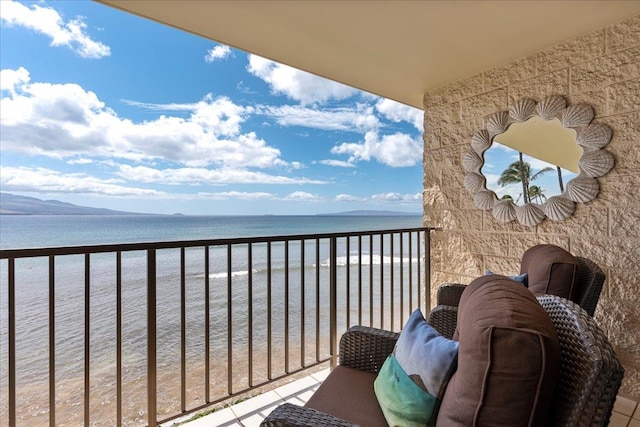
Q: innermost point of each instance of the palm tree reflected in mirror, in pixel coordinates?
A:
(516, 180)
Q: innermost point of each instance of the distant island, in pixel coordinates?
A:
(11, 204)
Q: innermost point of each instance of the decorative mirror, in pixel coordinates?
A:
(548, 131)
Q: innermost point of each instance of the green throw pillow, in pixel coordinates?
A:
(412, 381)
(403, 402)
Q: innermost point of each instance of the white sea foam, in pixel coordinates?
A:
(353, 260)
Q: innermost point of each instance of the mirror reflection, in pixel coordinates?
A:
(511, 174)
(531, 161)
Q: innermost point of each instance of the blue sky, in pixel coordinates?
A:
(105, 109)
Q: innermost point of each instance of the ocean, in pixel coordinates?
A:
(32, 306)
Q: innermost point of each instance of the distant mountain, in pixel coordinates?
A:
(372, 213)
(10, 204)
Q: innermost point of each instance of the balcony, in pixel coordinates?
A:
(148, 333)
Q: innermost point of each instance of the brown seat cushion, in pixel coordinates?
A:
(347, 393)
(507, 360)
(550, 270)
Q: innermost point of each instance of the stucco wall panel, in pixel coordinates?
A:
(518, 243)
(625, 222)
(501, 265)
(576, 51)
(611, 252)
(491, 224)
(453, 134)
(462, 219)
(623, 285)
(431, 138)
(601, 69)
(447, 114)
(541, 86)
(623, 35)
(522, 69)
(465, 89)
(554, 239)
(624, 97)
(623, 191)
(585, 221)
(627, 346)
(606, 71)
(483, 105)
(435, 98)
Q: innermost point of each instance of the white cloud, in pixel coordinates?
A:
(360, 118)
(303, 196)
(348, 198)
(47, 21)
(537, 164)
(491, 179)
(12, 79)
(198, 176)
(80, 161)
(49, 181)
(296, 165)
(397, 112)
(395, 198)
(296, 84)
(337, 163)
(397, 150)
(239, 195)
(218, 52)
(64, 120)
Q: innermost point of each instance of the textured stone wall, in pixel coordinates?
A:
(601, 69)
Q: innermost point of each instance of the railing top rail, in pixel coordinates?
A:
(143, 246)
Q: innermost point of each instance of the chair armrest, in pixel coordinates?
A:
(444, 319)
(366, 348)
(289, 415)
(449, 294)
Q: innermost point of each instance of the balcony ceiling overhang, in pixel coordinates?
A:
(395, 49)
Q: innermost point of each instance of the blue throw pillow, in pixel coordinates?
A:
(412, 381)
(523, 279)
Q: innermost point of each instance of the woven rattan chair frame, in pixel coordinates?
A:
(444, 318)
(590, 279)
(590, 373)
(289, 415)
(366, 348)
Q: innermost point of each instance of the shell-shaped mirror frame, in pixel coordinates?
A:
(594, 162)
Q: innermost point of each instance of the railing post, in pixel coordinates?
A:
(52, 342)
(12, 342)
(151, 339)
(427, 269)
(333, 311)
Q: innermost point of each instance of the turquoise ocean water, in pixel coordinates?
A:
(32, 302)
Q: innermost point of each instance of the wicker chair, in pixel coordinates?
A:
(589, 379)
(588, 288)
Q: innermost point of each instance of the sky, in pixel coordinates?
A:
(105, 109)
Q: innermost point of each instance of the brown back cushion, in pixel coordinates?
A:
(507, 360)
(550, 270)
